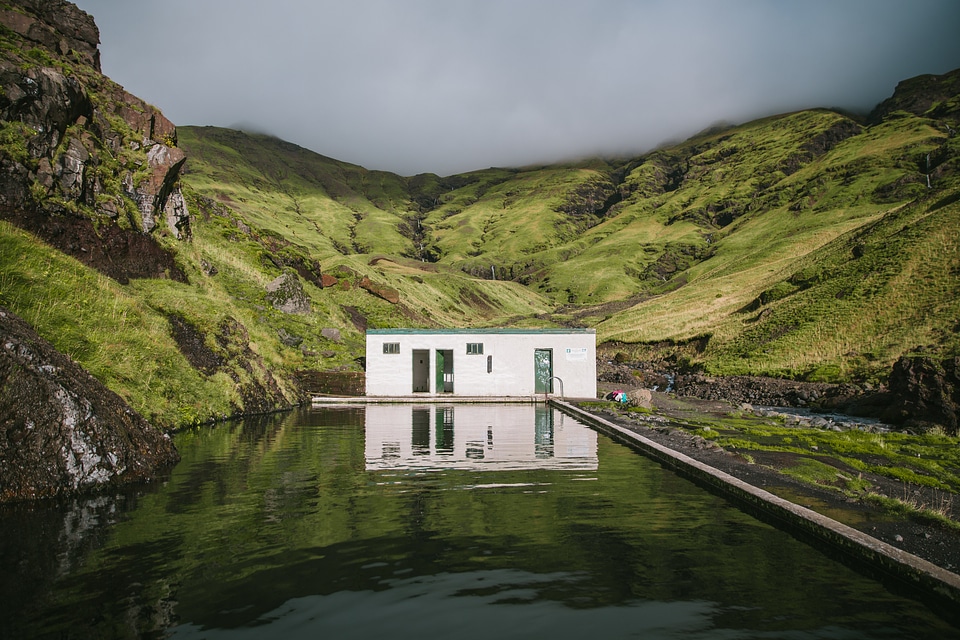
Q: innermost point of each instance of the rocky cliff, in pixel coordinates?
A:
(93, 171)
(62, 431)
(86, 166)
(928, 95)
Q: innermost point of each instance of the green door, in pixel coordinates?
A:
(438, 372)
(543, 370)
(443, 376)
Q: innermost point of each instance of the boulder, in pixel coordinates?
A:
(925, 390)
(327, 280)
(640, 398)
(289, 339)
(331, 334)
(287, 295)
(61, 431)
(389, 294)
(209, 269)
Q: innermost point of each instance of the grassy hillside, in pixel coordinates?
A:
(803, 245)
(840, 268)
(271, 204)
(213, 345)
(329, 207)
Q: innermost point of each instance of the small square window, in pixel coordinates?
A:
(474, 348)
(391, 347)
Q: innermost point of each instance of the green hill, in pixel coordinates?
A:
(808, 244)
(801, 245)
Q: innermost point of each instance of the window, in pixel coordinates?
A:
(474, 348)
(391, 347)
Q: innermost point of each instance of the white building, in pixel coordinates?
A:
(445, 363)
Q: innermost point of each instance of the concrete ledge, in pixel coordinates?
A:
(877, 557)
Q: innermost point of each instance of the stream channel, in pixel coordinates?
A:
(426, 521)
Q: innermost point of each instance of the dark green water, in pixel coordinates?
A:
(464, 522)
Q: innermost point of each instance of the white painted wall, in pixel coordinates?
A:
(574, 362)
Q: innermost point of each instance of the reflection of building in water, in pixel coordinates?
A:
(476, 436)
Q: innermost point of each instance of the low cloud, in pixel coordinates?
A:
(446, 87)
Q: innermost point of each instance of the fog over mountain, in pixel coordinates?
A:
(446, 87)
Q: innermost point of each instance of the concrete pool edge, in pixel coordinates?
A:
(908, 569)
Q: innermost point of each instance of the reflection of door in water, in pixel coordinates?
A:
(543, 370)
(443, 374)
(420, 438)
(421, 370)
(444, 430)
(543, 431)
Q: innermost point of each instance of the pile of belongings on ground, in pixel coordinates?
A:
(617, 396)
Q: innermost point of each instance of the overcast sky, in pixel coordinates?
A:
(447, 86)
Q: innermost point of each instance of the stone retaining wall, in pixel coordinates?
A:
(333, 383)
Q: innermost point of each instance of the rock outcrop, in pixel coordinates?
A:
(924, 392)
(382, 291)
(920, 94)
(58, 26)
(76, 145)
(333, 335)
(62, 431)
(327, 280)
(286, 294)
(765, 391)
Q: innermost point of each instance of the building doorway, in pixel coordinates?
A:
(444, 371)
(543, 370)
(421, 370)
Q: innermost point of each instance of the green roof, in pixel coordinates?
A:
(393, 332)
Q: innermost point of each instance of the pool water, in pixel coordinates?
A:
(465, 521)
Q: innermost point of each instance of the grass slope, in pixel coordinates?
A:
(854, 264)
(780, 244)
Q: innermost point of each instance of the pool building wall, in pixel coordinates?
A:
(481, 363)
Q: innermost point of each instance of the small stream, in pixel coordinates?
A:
(833, 421)
(465, 521)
